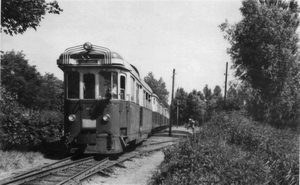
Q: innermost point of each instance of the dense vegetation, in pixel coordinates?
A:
(197, 105)
(231, 149)
(158, 87)
(265, 55)
(31, 104)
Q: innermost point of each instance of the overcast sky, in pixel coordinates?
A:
(155, 36)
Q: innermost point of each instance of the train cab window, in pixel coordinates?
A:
(122, 87)
(108, 83)
(88, 86)
(73, 79)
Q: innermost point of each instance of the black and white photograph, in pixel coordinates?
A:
(150, 92)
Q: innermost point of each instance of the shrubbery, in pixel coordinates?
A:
(18, 129)
(231, 149)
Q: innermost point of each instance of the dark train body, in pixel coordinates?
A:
(107, 105)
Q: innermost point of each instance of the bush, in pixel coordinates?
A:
(232, 149)
(20, 130)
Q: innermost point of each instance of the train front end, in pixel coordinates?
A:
(93, 99)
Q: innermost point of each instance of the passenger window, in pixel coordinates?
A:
(137, 93)
(122, 87)
(115, 85)
(132, 88)
(89, 86)
(73, 84)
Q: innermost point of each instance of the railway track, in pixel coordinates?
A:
(74, 171)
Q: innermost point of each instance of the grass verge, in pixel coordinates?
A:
(232, 149)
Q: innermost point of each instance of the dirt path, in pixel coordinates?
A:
(138, 171)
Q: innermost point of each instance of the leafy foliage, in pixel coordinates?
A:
(30, 106)
(51, 95)
(158, 87)
(17, 15)
(232, 149)
(180, 101)
(237, 95)
(197, 105)
(21, 79)
(21, 130)
(30, 88)
(264, 52)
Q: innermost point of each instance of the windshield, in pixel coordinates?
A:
(108, 83)
(89, 86)
(73, 84)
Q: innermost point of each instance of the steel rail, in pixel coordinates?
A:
(76, 178)
(73, 172)
(38, 168)
(40, 174)
(98, 168)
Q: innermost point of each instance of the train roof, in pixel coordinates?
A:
(93, 55)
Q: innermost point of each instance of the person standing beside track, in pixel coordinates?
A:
(191, 124)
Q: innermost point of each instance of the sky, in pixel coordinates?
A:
(155, 36)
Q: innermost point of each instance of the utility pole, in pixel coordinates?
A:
(225, 93)
(171, 107)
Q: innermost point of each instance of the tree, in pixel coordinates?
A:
(180, 101)
(196, 106)
(207, 93)
(18, 15)
(51, 94)
(27, 85)
(20, 79)
(158, 87)
(264, 52)
(238, 95)
(217, 98)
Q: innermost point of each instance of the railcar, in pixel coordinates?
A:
(107, 106)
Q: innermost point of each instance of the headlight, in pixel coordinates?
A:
(87, 46)
(72, 117)
(106, 117)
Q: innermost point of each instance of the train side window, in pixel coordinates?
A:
(132, 88)
(122, 87)
(114, 85)
(137, 93)
(147, 103)
(73, 84)
(144, 100)
(89, 86)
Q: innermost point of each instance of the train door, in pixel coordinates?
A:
(88, 89)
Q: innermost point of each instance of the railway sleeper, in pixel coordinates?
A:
(54, 178)
(63, 174)
(39, 183)
(103, 173)
(121, 165)
(109, 170)
(74, 170)
(82, 167)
